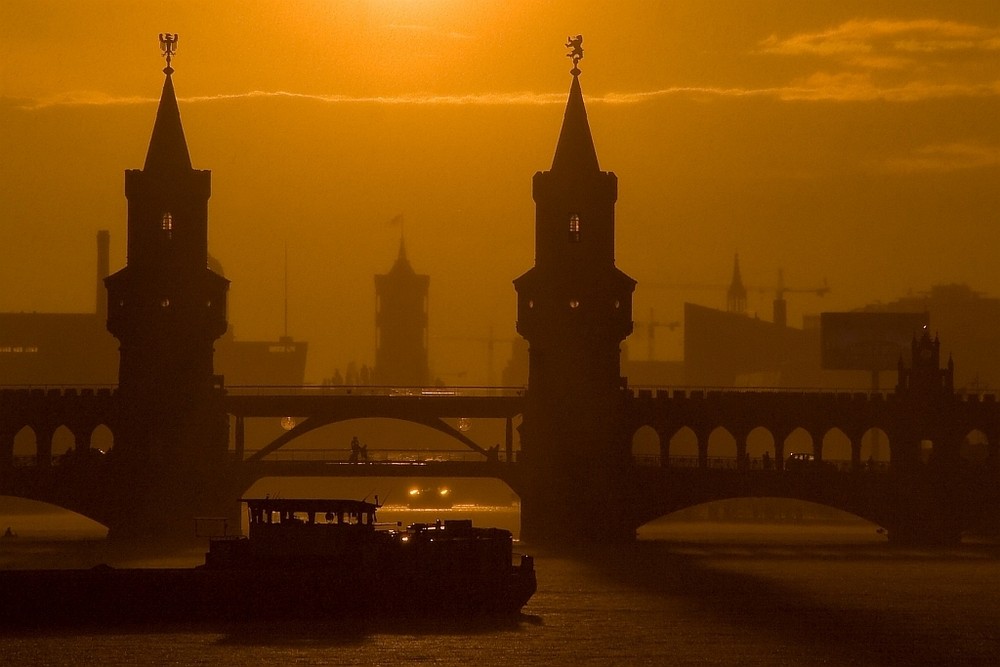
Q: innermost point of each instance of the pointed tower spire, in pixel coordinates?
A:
(736, 298)
(167, 148)
(402, 263)
(575, 150)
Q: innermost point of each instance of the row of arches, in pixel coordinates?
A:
(760, 449)
(45, 447)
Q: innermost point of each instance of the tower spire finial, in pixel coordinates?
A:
(576, 52)
(575, 149)
(168, 47)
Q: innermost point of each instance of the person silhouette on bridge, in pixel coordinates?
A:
(355, 450)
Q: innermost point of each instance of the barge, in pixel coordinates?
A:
(302, 558)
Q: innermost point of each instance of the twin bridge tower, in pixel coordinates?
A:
(574, 472)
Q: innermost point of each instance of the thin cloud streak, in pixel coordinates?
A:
(865, 36)
(843, 87)
(945, 158)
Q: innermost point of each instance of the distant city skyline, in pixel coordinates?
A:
(833, 140)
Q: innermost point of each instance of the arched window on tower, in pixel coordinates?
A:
(574, 227)
(167, 225)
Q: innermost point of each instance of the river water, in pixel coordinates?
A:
(688, 593)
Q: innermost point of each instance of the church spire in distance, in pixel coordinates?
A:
(402, 264)
(167, 147)
(736, 297)
(575, 149)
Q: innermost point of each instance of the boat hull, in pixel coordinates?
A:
(105, 595)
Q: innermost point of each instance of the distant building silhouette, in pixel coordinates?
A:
(401, 325)
(280, 362)
(725, 349)
(924, 377)
(652, 372)
(61, 348)
(968, 322)
(76, 348)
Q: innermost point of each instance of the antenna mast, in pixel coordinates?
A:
(286, 290)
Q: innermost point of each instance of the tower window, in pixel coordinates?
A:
(574, 227)
(167, 224)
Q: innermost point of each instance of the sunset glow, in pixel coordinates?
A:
(831, 139)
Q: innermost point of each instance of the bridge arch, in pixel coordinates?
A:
(777, 516)
(63, 441)
(25, 444)
(761, 441)
(836, 447)
(309, 424)
(721, 445)
(647, 447)
(33, 519)
(798, 441)
(975, 447)
(102, 438)
(683, 445)
(874, 449)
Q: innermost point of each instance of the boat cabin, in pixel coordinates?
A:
(297, 531)
(269, 515)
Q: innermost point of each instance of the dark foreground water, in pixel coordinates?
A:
(688, 594)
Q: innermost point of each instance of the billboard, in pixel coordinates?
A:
(868, 341)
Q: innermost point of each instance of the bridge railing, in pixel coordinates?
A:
(59, 387)
(25, 461)
(650, 391)
(732, 463)
(394, 456)
(342, 455)
(715, 462)
(369, 390)
(653, 391)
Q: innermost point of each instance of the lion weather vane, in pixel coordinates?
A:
(168, 47)
(575, 44)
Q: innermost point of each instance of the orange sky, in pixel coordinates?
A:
(855, 142)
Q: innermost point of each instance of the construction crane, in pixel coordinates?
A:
(651, 325)
(736, 295)
(490, 340)
(780, 305)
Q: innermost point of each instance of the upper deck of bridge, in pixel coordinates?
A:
(373, 401)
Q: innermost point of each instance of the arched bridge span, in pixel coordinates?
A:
(81, 483)
(318, 409)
